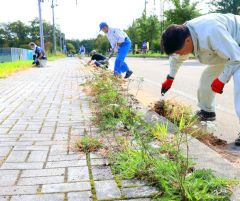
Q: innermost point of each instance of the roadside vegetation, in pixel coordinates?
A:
(147, 151)
(9, 68)
(58, 55)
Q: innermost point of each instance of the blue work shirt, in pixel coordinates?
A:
(38, 51)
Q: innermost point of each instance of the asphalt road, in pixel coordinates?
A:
(184, 89)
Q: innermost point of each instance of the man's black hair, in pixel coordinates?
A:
(173, 38)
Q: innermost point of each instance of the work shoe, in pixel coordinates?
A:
(128, 74)
(237, 141)
(206, 116)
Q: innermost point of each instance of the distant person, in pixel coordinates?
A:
(82, 51)
(98, 59)
(121, 44)
(144, 47)
(215, 40)
(39, 57)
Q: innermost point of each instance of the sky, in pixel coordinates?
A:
(79, 21)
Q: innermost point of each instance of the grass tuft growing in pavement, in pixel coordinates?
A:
(9, 68)
(88, 144)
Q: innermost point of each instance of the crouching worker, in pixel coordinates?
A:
(98, 59)
(39, 57)
(214, 39)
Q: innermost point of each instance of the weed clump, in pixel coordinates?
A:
(88, 144)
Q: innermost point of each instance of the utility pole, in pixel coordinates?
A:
(61, 42)
(40, 24)
(54, 32)
(154, 9)
(145, 8)
(162, 2)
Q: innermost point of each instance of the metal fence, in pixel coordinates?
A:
(15, 54)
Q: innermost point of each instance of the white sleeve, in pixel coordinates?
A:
(227, 48)
(175, 63)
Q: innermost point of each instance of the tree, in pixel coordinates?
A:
(18, 34)
(182, 12)
(70, 48)
(145, 29)
(102, 44)
(223, 6)
(133, 34)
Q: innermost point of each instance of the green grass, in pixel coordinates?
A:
(9, 68)
(52, 57)
(163, 172)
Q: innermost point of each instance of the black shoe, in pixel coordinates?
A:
(206, 116)
(128, 74)
(237, 141)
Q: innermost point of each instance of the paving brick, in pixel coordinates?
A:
(67, 157)
(43, 172)
(48, 197)
(38, 156)
(38, 139)
(41, 180)
(3, 198)
(74, 163)
(80, 196)
(102, 172)
(49, 143)
(142, 191)
(18, 190)
(48, 130)
(95, 155)
(4, 150)
(22, 166)
(8, 177)
(8, 139)
(107, 190)
(133, 183)
(78, 174)
(58, 149)
(61, 136)
(99, 161)
(31, 148)
(7, 144)
(18, 127)
(66, 187)
(17, 156)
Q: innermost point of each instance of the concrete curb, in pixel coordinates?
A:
(205, 157)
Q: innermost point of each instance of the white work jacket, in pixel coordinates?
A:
(216, 40)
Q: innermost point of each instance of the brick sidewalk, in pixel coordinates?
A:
(42, 112)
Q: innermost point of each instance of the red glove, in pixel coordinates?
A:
(217, 86)
(167, 84)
